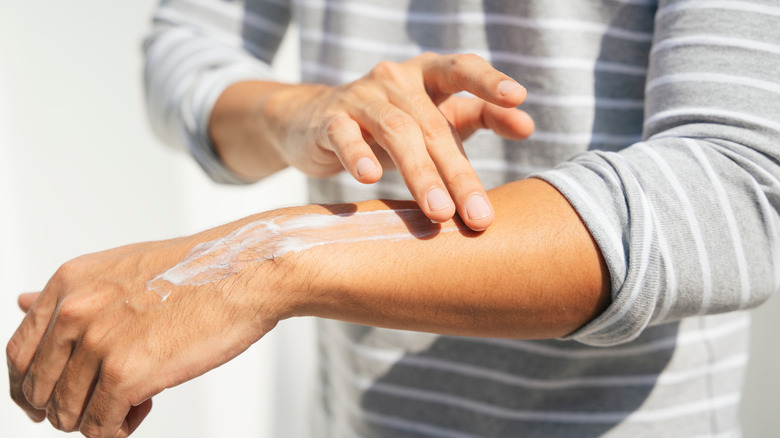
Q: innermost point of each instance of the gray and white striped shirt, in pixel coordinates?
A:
(660, 123)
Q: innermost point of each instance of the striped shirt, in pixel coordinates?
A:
(660, 123)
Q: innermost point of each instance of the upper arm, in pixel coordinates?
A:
(687, 219)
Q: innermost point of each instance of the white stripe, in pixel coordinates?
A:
(686, 338)
(727, 434)
(409, 51)
(637, 2)
(736, 238)
(586, 64)
(479, 18)
(396, 357)
(340, 76)
(414, 426)
(387, 421)
(585, 138)
(741, 6)
(693, 224)
(700, 114)
(613, 240)
(584, 101)
(233, 11)
(492, 410)
(771, 227)
(626, 304)
(670, 292)
(213, 35)
(715, 78)
(714, 40)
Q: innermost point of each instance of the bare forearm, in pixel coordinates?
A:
(536, 273)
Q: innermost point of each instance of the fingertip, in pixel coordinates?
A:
(438, 205)
(26, 300)
(136, 416)
(36, 415)
(478, 212)
(526, 125)
(512, 92)
(367, 171)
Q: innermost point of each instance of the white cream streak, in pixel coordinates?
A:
(270, 239)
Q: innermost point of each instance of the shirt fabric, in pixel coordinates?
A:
(660, 123)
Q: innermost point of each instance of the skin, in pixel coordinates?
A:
(397, 116)
(96, 345)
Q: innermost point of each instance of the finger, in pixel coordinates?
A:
(71, 392)
(446, 75)
(107, 410)
(47, 365)
(469, 115)
(444, 147)
(398, 133)
(462, 181)
(344, 137)
(137, 415)
(26, 300)
(22, 347)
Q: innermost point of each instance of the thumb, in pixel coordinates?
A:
(26, 300)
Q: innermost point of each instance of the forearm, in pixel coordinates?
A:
(246, 125)
(536, 273)
(239, 131)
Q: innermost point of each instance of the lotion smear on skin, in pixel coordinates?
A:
(270, 239)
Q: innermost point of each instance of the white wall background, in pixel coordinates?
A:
(81, 172)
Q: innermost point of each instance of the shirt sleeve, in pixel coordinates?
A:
(195, 50)
(687, 219)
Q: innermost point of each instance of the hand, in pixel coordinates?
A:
(96, 345)
(408, 111)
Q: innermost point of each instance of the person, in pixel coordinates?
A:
(598, 288)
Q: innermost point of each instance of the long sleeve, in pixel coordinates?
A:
(687, 219)
(196, 49)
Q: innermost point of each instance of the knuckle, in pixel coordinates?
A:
(66, 271)
(92, 423)
(397, 123)
(61, 419)
(54, 418)
(461, 178)
(12, 354)
(18, 397)
(335, 126)
(460, 60)
(112, 373)
(386, 70)
(91, 341)
(435, 129)
(359, 90)
(71, 311)
(28, 389)
(90, 430)
(356, 92)
(422, 170)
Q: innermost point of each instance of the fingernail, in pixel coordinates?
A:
(364, 165)
(477, 207)
(508, 87)
(437, 199)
